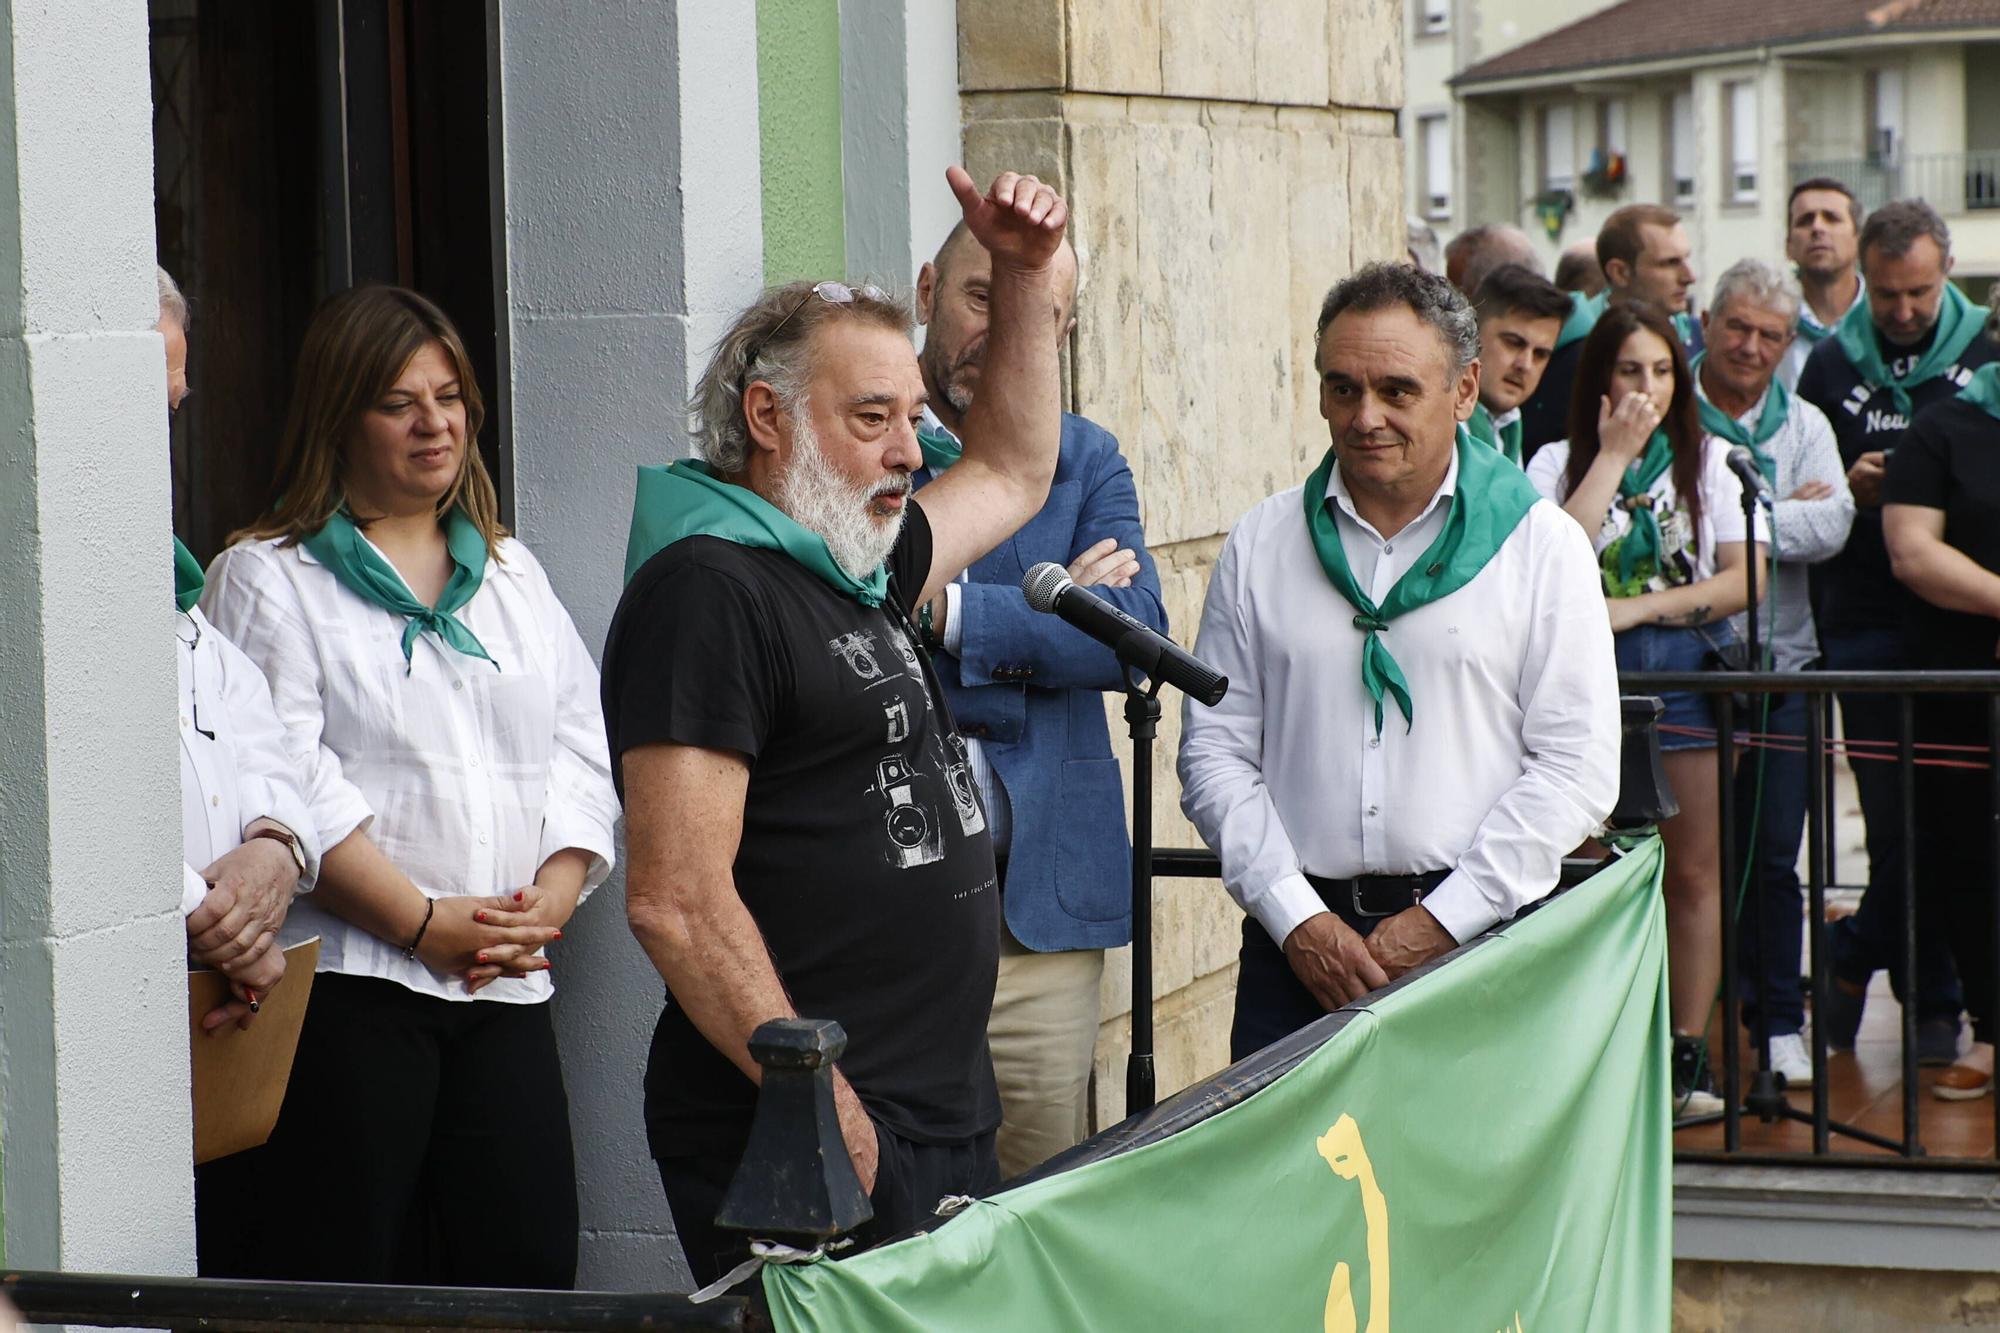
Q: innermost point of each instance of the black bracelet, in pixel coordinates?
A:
(926, 633)
(430, 905)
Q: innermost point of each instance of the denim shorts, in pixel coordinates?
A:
(1677, 648)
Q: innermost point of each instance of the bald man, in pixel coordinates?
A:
(1027, 692)
(1477, 251)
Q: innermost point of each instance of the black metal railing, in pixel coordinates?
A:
(1731, 693)
(1950, 182)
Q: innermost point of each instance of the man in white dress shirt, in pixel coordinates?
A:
(244, 820)
(1423, 708)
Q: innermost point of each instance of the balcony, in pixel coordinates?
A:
(1952, 183)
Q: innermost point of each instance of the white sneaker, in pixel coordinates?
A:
(1791, 1059)
(1694, 1103)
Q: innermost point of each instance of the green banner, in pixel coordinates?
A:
(1486, 1150)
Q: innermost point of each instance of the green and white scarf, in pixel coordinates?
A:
(1506, 439)
(362, 571)
(1490, 500)
(1777, 407)
(1642, 539)
(188, 578)
(688, 499)
(1959, 322)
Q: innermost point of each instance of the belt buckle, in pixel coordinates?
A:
(1357, 895)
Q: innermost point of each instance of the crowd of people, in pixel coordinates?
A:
(861, 779)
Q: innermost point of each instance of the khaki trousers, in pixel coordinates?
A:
(1044, 1036)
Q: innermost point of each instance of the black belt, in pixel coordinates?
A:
(1376, 895)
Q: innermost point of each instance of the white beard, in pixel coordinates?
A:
(813, 495)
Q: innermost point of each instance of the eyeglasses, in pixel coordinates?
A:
(833, 293)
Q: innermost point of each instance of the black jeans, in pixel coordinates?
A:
(421, 1141)
(1773, 862)
(1957, 877)
(1271, 1001)
(910, 1178)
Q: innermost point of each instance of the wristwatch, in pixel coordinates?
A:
(279, 833)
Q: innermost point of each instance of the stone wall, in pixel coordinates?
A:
(1227, 162)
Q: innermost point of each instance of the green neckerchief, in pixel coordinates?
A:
(1506, 439)
(1487, 504)
(941, 448)
(1642, 539)
(689, 500)
(1584, 312)
(1777, 407)
(1684, 327)
(362, 571)
(1809, 327)
(188, 578)
(1984, 391)
(1959, 322)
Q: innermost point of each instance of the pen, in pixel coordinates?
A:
(251, 996)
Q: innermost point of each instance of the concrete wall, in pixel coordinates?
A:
(799, 114)
(1778, 1298)
(93, 997)
(1227, 163)
(631, 198)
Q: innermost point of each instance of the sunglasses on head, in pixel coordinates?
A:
(833, 293)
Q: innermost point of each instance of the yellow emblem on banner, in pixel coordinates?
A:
(1342, 1148)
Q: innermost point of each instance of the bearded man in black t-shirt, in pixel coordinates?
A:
(804, 833)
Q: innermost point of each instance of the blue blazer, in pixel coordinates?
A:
(1029, 688)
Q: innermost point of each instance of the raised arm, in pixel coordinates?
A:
(683, 825)
(1014, 427)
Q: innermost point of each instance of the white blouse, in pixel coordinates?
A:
(467, 777)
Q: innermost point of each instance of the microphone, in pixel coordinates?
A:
(1049, 589)
(1744, 464)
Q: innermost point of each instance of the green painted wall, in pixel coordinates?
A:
(798, 113)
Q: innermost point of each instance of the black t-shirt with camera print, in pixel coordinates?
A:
(864, 860)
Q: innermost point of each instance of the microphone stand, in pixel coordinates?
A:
(1142, 720)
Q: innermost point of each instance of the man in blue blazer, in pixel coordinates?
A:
(1027, 691)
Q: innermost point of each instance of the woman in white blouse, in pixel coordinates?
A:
(448, 713)
(1666, 516)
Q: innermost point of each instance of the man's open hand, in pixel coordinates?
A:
(1019, 220)
(1408, 939)
(1332, 960)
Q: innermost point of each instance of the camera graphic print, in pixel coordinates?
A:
(922, 779)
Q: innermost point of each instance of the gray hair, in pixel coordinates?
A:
(173, 305)
(1758, 283)
(784, 362)
(1894, 227)
(1428, 295)
(1421, 241)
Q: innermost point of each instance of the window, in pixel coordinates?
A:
(1433, 16)
(1739, 101)
(1611, 126)
(1558, 147)
(1885, 114)
(1680, 147)
(1434, 142)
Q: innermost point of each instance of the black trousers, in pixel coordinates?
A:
(422, 1141)
(1957, 879)
(910, 1178)
(1271, 1001)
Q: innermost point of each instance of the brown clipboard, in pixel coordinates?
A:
(239, 1075)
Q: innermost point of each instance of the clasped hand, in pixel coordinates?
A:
(235, 928)
(1332, 960)
(484, 939)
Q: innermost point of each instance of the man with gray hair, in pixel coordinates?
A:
(1748, 327)
(1415, 609)
(1477, 251)
(804, 833)
(1912, 342)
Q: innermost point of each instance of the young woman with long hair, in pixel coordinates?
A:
(448, 713)
(1666, 515)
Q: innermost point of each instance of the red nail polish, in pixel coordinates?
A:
(480, 917)
(518, 895)
(482, 958)
(559, 934)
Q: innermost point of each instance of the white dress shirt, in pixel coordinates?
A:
(1795, 356)
(466, 776)
(1808, 531)
(1513, 756)
(235, 765)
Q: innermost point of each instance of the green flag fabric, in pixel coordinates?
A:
(1491, 498)
(1507, 438)
(1485, 1148)
(1584, 312)
(1777, 407)
(188, 578)
(1984, 389)
(1642, 540)
(1959, 322)
(941, 448)
(361, 570)
(688, 499)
